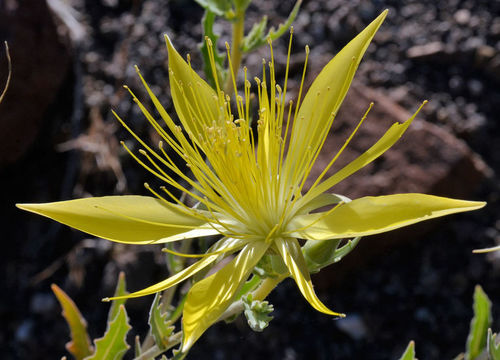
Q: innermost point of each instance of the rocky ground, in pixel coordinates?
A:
(59, 141)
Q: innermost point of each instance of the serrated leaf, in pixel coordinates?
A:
(208, 24)
(493, 346)
(79, 346)
(161, 328)
(409, 353)
(476, 341)
(219, 7)
(119, 291)
(113, 345)
(256, 40)
(256, 37)
(286, 25)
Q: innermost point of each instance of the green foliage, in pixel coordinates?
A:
(476, 341)
(79, 346)
(113, 345)
(257, 313)
(409, 353)
(493, 346)
(208, 32)
(119, 291)
(161, 327)
(257, 37)
(218, 7)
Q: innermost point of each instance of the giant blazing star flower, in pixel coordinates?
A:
(249, 192)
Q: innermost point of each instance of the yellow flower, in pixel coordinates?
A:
(250, 192)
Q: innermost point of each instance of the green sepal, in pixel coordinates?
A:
(257, 313)
(409, 353)
(218, 7)
(269, 266)
(493, 346)
(161, 327)
(476, 341)
(208, 24)
(113, 345)
(119, 291)
(79, 346)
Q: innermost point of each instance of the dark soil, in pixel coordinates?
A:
(422, 291)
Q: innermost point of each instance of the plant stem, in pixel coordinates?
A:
(155, 350)
(238, 32)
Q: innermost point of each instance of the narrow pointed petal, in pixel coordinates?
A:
(126, 219)
(229, 244)
(291, 253)
(326, 94)
(373, 215)
(381, 146)
(209, 298)
(196, 103)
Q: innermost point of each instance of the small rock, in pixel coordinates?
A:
(353, 326)
(484, 54)
(42, 303)
(462, 16)
(427, 51)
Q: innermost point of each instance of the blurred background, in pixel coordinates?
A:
(58, 140)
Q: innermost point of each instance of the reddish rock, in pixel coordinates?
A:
(40, 64)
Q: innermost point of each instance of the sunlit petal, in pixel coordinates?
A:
(196, 103)
(326, 94)
(208, 298)
(224, 244)
(126, 219)
(291, 253)
(381, 146)
(373, 215)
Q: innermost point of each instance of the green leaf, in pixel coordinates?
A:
(409, 353)
(119, 291)
(257, 313)
(476, 341)
(286, 25)
(113, 345)
(79, 346)
(493, 346)
(219, 7)
(256, 37)
(160, 326)
(208, 31)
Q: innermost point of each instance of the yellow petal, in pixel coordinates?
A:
(381, 146)
(291, 253)
(326, 94)
(196, 103)
(126, 219)
(373, 215)
(209, 298)
(225, 244)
